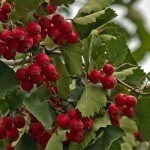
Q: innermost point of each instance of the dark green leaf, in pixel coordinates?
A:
(8, 80)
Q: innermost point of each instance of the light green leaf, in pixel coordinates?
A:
(55, 142)
(63, 82)
(72, 57)
(8, 80)
(60, 2)
(38, 105)
(92, 99)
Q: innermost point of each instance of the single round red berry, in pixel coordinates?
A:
(95, 76)
(66, 27)
(36, 130)
(6, 8)
(74, 114)
(13, 45)
(108, 82)
(131, 101)
(3, 17)
(27, 85)
(6, 122)
(6, 35)
(2, 132)
(59, 40)
(42, 59)
(57, 19)
(87, 123)
(138, 136)
(2, 47)
(72, 37)
(108, 69)
(19, 122)
(27, 43)
(38, 80)
(53, 32)
(9, 54)
(13, 134)
(115, 121)
(76, 124)
(51, 9)
(22, 74)
(33, 28)
(36, 39)
(18, 34)
(120, 99)
(46, 23)
(63, 120)
(34, 70)
(77, 136)
(113, 110)
(128, 111)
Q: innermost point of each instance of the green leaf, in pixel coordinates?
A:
(124, 73)
(24, 9)
(75, 146)
(37, 104)
(55, 142)
(94, 6)
(8, 80)
(72, 57)
(110, 135)
(60, 2)
(63, 82)
(85, 29)
(143, 119)
(116, 145)
(92, 99)
(117, 47)
(41, 9)
(26, 143)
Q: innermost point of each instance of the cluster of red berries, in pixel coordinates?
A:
(76, 123)
(123, 106)
(105, 77)
(5, 11)
(9, 127)
(37, 73)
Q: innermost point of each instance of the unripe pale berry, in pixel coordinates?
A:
(87, 123)
(108, 69)
(128, 111)
(120, 99)
(19, 122)
(77, 136)
(13, 134)
(108, 82)
(63, 120)
(95, 76)
(131, 101)
(76, 124)
(42, 59)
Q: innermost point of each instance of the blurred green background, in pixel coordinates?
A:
(134, 20)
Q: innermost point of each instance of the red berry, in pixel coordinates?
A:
(10, 147)
(27, 43)
(2, 47)
(95, 76)
(36, 39)
(108, 82)
(51, 9)
(18, 34)
(77, 136)
(76, 124)
(57, 19)
(113, 110)
(19, 122)
(27, 85)
(131, 101)
(128, 111)
(72, 37)
(50, 73)
(63, 120)
(2, 132)
(46, 23)
(108, 69)
(120, 99)
(115, 121)
(53, 32)
(138, 136)
(13, 45)
(42, 59)
(13, 134)
(39, 80)
(22, 74)
(3, 16)
(67, 137)
(6, 8)
(34, 70)
(59, 40)
(66, 27)
(6, 122)
(43, 34)
(87, 123)
(9, 54)
(74, 114)
(36, 130)
(33, 28)
(6, 35)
